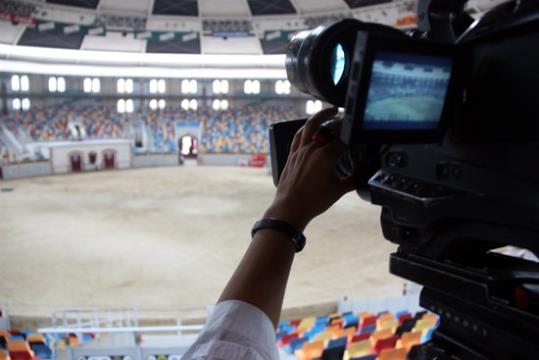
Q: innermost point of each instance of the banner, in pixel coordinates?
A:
(68, 29)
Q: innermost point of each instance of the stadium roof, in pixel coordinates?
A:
(211, 29)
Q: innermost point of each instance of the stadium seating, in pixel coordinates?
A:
(24, 345)
(349, 336)
(241, 130)
(7, 153)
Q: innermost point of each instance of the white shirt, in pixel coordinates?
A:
(235, 331)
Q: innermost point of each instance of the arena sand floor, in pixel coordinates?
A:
(160, 238)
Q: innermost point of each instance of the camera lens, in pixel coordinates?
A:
(338, 63)
(318, 60)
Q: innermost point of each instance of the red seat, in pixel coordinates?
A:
(21, 355)
(387, 343)
(404, 317)
(286, 339)
(360, 337)
(369, 320)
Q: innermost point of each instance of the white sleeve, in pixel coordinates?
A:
(235, 330)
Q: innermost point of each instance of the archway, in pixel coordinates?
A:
(109, 159)
(76, 161)
(188, 146)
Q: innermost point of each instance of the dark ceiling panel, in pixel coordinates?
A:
(173, 47)
(55, 39)
(361, 3)
(274, 46)
(89, 4)
(175, 7)
(271, 7)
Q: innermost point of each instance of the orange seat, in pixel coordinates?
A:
(5, 333)
(392, 354)
(348, 332)
(409, 339)
(430, 317)
(4, 356)
(35, 338)
(73, 340)
(385, 317)
(310, 350)
(18, 345)
(381, 334)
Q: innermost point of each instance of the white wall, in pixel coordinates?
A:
(60, 154)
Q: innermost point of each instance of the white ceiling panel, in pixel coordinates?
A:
(139, 7)
(9, 33)
(113, 41)
(317, 6)
(223, 8)
(232, 45)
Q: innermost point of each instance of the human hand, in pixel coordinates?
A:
(309, 185)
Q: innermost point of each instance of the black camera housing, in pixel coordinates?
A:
(368, 47)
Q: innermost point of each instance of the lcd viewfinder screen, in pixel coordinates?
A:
(406, 92)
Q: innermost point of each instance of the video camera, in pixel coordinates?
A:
(442, 128)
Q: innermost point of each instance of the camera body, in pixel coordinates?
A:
(443, 133)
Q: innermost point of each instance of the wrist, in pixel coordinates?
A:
(286, 213)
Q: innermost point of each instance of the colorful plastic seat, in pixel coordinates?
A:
(310, 350)
(392, 354)
(409, 339)
(380, 334)
(358, 349)
(386, 343)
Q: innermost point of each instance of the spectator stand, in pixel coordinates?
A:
(393, 299)
(119, 333)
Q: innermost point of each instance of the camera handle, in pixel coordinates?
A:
(443, 20)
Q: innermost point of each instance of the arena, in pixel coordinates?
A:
(165, 238)
(135, 157)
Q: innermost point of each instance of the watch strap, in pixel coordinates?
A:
(298, 239)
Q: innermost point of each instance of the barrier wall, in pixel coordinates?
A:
(224, 159)
(149, 160)
(24, 170)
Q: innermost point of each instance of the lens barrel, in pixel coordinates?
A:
(310, 58)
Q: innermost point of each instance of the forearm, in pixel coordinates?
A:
(261, 277)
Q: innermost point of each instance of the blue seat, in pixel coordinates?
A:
(41, 350)
(340, 342)
(367, 357)
(295, 344)
(335, 353)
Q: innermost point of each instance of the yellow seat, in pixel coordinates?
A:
(409, 339)
(392, 324)
(306, 323)
(324, 336)
(422, 326)
(380, 334)
(392, 354)
(358, 349)
(35, 338)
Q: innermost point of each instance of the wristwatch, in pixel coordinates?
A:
(298, 239)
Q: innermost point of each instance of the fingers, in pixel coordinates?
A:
(296, 141)
(314, 122)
